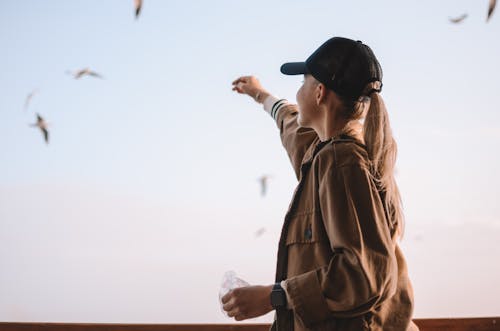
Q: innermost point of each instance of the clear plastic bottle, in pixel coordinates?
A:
(229, 282)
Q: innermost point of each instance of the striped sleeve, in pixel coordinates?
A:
(273, 105)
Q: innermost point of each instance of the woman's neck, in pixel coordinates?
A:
(330, 125)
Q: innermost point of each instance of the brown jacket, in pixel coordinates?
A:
(343, 268)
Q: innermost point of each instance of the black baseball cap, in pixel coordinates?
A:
(344, 65)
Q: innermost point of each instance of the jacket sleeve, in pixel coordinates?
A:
(362, 271)
(294, 138)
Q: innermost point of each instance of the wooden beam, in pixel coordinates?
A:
(459, 324)
(130, 327)
(436, 324)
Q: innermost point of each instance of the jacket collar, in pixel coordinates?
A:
(317, 145)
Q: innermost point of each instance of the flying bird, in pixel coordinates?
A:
(138, 6)
(29, 97)
(260, 232)
(263, 184)
(40, 123)
(84, 72)
(458, 19)
(491, 8)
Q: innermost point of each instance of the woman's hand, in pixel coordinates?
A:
(248, 302)
(250, 85)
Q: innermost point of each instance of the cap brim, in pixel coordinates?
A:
(294, 68)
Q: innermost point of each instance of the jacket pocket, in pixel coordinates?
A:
(306, 228)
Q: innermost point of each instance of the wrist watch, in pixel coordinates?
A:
(278, 296)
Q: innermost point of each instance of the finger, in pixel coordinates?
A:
(241, 86)
(242, 79)
(225, 299)
(228, 306)
(237, 89)
(234, 312)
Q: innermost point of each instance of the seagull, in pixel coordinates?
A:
(458, 19)
(29, 97)
(82, 72)
(260, 232)
(138, 5)
(491, 8)
(263, 184)
(40, 123)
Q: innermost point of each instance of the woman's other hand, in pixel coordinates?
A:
(250, 86)
(248, 302)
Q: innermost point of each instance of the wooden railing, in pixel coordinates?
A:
(435, 324)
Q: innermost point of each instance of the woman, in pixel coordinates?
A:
(339, 266)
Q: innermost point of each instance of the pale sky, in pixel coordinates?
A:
(147, 192)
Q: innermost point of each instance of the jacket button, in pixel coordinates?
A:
(308, 233)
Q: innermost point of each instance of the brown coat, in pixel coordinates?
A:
(343, 268)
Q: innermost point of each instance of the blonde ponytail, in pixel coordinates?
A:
(382, 150)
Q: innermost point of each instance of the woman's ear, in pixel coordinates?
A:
(320, 93)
